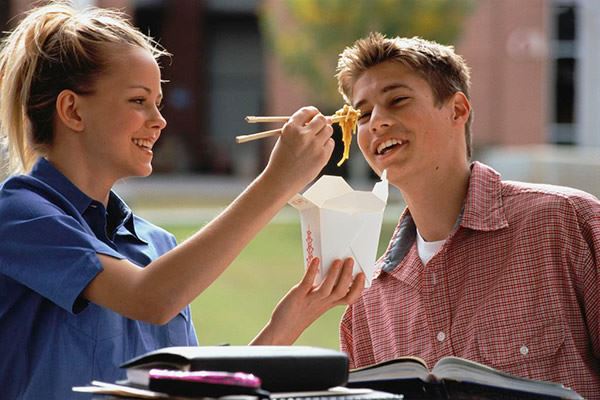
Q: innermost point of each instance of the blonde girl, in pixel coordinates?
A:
(85, 284)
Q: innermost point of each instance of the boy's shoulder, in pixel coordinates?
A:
(551, 208)
(545, 196)
(511, 187)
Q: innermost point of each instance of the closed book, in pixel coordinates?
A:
(280, 368)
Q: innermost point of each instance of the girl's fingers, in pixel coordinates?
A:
(324, 135)
(312, 270)
(320, 128)
(345, 278)
(331, 278)
(303, 116)
(355, 290)
(316, 124)
(309, 121)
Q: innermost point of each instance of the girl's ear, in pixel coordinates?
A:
(461, 108)
(67, 110)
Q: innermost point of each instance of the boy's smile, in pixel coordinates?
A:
(401, 128)
(389, 145)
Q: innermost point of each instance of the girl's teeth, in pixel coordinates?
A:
(142, 143)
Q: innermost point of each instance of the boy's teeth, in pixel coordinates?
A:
(386, 144)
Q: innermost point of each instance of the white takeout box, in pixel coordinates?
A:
(338, 222)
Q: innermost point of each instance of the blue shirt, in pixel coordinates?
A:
(52, 339)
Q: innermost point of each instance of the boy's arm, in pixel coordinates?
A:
(587, 251)
(346, 343)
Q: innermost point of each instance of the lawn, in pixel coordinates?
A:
(238, 304)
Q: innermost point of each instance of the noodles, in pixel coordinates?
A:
(348, 120)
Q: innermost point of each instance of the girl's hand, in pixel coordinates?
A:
(306, 302)
(302, 150)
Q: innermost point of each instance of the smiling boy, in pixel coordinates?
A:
(502, 273)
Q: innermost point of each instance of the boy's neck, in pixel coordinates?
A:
(436, 202)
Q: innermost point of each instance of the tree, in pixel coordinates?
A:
(308, 35)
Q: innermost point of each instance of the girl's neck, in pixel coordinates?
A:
(83, 176)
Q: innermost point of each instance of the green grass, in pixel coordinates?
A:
(240, 302)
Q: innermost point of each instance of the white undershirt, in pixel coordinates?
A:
(427, 250)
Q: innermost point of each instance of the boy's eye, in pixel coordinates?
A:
(364, 116)
(398, 100)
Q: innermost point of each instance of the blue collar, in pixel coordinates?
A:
(117, 213)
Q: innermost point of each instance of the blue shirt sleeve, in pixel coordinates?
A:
(49, 251)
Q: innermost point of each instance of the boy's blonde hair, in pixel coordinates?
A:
(54, 48)
(445, 71)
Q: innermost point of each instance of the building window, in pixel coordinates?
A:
(234, 64)
(564, 70)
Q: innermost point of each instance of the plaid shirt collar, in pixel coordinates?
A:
(482, 211)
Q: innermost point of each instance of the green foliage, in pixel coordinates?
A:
(308, 35)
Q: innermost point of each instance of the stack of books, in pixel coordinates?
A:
(275, 372)
(302, 373)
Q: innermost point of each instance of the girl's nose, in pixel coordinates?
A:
(158, 121)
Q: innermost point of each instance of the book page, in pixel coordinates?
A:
(462, 370)
(104, 388)
(401, 368)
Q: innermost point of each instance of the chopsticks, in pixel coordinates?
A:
(251, 119)
(258, 135)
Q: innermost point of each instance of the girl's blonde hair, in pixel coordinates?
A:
(55, 47)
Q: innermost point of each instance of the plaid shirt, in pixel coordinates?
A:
(516, 286)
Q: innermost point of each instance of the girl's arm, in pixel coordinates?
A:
(159, 291)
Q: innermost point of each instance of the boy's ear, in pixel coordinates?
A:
(67, 110)
(461, 108)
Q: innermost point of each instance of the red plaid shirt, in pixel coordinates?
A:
(515, 286)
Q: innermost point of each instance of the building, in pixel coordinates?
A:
(536, 85)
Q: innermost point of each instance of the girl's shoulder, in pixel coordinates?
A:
(151, 232)
(25, 196)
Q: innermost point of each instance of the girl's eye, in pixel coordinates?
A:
(138, 101)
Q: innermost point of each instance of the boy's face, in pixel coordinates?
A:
(400, 128)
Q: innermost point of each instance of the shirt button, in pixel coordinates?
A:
(441, 336)
(524, 350)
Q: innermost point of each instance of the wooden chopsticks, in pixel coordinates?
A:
(258, 135)
(251, 119)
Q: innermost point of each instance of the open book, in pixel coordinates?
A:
(453, 378)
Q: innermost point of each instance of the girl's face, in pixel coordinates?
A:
(122, 120)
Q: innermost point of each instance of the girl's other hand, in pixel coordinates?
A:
(306, 302)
